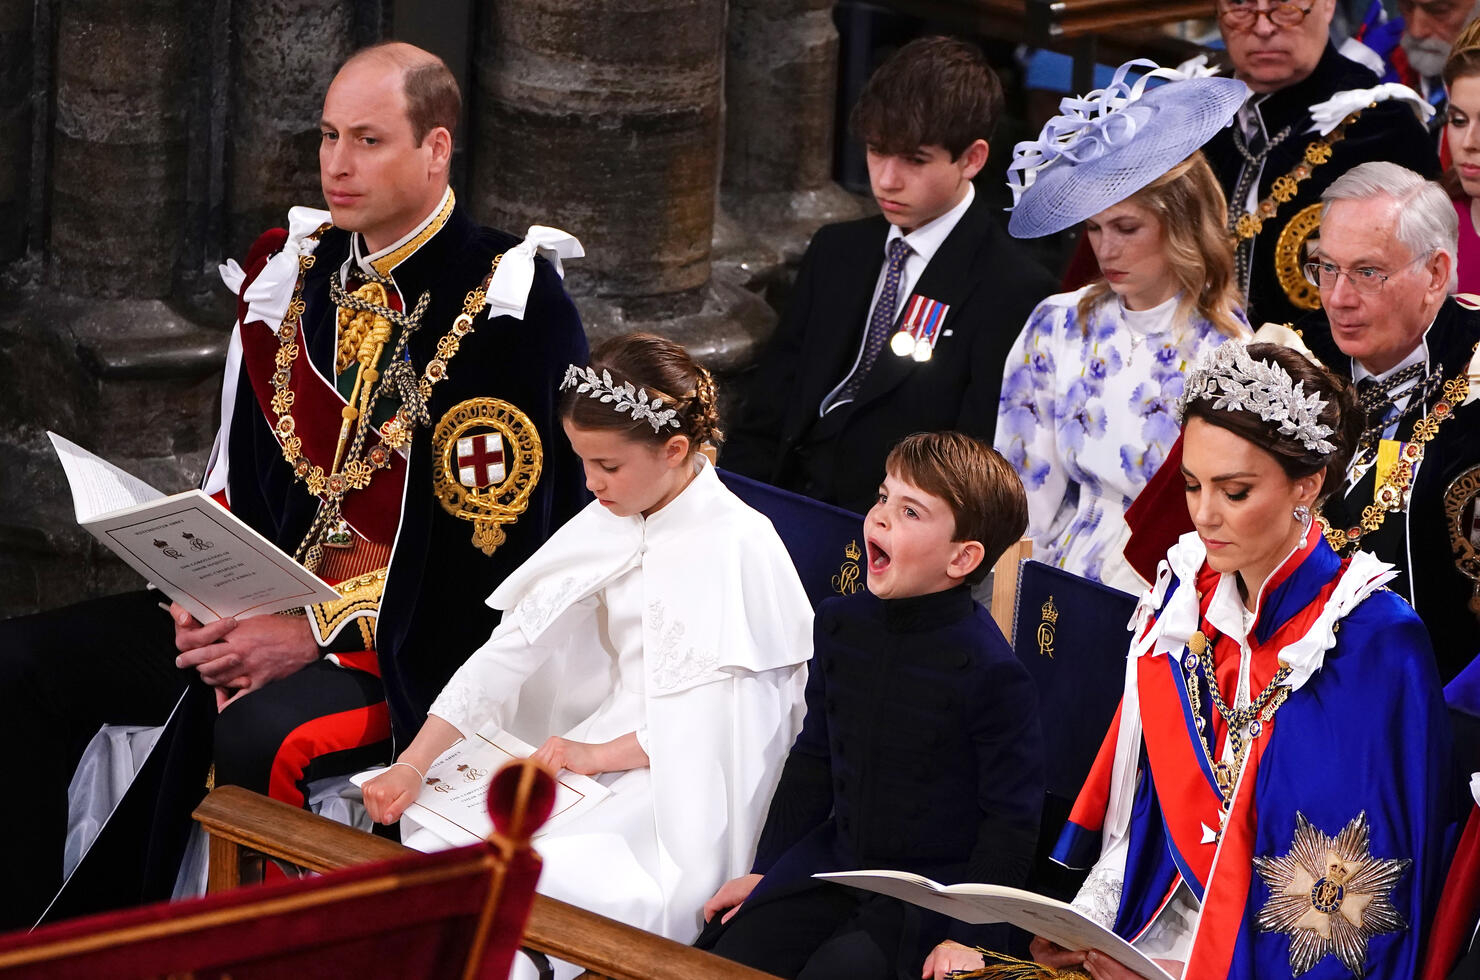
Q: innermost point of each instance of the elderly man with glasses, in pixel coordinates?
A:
(1309, 120)
(1384, 267)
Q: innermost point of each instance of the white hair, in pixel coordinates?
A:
(1427, 221)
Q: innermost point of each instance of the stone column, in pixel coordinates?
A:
(119, 146)
(98, 346)
(284, 55)
(15, 126)
(603, 119)
(780, 85)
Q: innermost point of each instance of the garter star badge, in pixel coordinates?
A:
(1330, 895)
(487, 460)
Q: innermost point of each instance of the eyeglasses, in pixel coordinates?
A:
(1241, 15)
(1364, 280)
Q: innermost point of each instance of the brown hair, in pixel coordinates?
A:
(432, 96)
(981, 488)
(934, 91)
(1189, 203)
(1463, 62)
(1464, 55)
(664, 370)
(1341, 414)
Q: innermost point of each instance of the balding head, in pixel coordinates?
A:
(432, 95)
(384, 154)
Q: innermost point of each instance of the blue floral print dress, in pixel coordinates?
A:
(1087, 416)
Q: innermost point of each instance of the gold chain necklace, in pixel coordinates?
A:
(1247, 224)
(1392, 492)
(1252, 718)
(359, 467)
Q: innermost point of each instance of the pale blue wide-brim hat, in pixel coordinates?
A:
(1114, 141)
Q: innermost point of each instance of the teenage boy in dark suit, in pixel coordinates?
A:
(900, 322)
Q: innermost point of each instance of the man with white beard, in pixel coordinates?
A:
(1429, 30)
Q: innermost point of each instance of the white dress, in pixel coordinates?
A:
(1087, 416)
(689, 628)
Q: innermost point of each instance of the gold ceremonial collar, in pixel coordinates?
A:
(383, 264)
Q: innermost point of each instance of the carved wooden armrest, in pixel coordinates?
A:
(243, 824)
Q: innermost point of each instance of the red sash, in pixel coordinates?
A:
(373, 511)
(1185, 786)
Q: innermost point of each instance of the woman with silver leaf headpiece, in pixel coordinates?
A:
(1086, 406)
(1273, 797)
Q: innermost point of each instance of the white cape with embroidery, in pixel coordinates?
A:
(725, 633)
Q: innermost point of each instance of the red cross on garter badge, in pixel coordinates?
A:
(480, 460)
(487, 460)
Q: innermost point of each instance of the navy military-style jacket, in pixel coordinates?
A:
(921, 751)
(432, 612)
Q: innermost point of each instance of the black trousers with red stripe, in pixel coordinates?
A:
(325, 720)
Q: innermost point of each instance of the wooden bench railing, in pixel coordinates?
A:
(245, 828)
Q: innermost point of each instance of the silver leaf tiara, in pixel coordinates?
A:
(1231, 379)
(625, 397)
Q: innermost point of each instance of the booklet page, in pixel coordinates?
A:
(207, 560)
(98, 487)
(1036, 914)
(454, 798)
(186, 545)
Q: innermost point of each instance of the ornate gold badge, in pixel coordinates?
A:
(1461, 508)
(849, 578)
(487, 461)
(1290, 255)
(1330, 895)
(1046, 628)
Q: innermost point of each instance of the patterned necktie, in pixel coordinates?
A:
(881, 323)
(1375, 399)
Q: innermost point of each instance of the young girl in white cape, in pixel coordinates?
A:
(658, 642)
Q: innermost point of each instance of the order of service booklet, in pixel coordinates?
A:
(453, 803)
(187, 545)
(1039, 915)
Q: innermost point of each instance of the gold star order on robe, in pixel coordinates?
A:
(1330, 895)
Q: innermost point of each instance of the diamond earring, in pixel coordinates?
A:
(1303, 516)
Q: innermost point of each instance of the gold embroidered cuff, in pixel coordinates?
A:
(361, 600)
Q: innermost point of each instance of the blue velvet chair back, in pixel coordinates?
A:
(1071, 634)
(825, 542)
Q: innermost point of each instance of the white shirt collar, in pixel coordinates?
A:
(366, 262)
(926, 240)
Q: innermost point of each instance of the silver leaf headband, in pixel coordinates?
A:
(625, 397)
(1231, 379)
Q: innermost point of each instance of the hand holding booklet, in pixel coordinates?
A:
(187, 545)
(453, 803)
(1039, 915)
